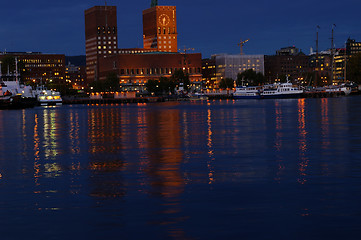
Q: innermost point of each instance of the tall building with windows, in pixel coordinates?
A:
(134, 67)
(160, 28)
(100, 37)
(228, 66)
(352, 47)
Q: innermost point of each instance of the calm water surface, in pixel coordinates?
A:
(248, 169)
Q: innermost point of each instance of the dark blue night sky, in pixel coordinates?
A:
(208, 26)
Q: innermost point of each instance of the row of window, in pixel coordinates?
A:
(155, 71)
(41, 60)
(106, 30)
(164, 37)
(166, 30)
(42, 65)
(105, 38)
(109, 42)
(105, 47)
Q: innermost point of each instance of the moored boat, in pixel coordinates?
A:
(14, 95)
(247, 92)
(198, 96)
(281, 90)
(342, 89)
(46, 97)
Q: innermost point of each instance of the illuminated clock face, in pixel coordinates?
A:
(163, 20)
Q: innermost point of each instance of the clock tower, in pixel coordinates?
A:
(160, 28)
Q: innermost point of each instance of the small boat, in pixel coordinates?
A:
(46, 97)
(198, 96)
(248, 92)
(281, 90)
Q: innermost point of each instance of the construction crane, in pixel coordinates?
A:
(241, 43)
(184, 50)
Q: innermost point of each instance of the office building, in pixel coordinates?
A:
(39, 68)
(229, 66)
(352, 47)
(100, 37)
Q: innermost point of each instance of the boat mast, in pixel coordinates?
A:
(332, 53)
(16, 70)
(317, 69)
(345, 74)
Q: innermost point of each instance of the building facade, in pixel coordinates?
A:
(135, 70)
(100, 37)
(160, 29)
(352, 47)
(294, 67)
(40, 68)
(288, 51)
(209, 73)
(228, 66)
(135, 66)
(76, 76)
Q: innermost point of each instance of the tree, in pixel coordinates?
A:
(153, 87)
(180, 77)
(354, 68)
(160, 87)
(250, 77)
(226, 83)
(112, 82)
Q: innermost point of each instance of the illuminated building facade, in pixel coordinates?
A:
(352, 47)
(281, 66)
(100, 37)
(136, 66)
(339, 66)
(209, 73)
(321, 63)
(135, 70)
(160, 29)
(40, 68)
(228, 66)
(76, 76)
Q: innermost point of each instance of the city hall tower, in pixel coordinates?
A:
(160, 28)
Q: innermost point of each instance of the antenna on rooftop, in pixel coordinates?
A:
(154, 3)
(106, 16)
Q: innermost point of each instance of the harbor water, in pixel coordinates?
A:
(229, 169)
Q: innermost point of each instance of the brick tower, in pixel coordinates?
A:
(160, 28)
(100, 37)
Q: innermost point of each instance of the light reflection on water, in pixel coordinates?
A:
(183, 170)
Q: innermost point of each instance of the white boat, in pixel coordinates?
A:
(13, 94)
(198, 96)
(281, 90)
(342, 89)
(248, 92)
(48, 97)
